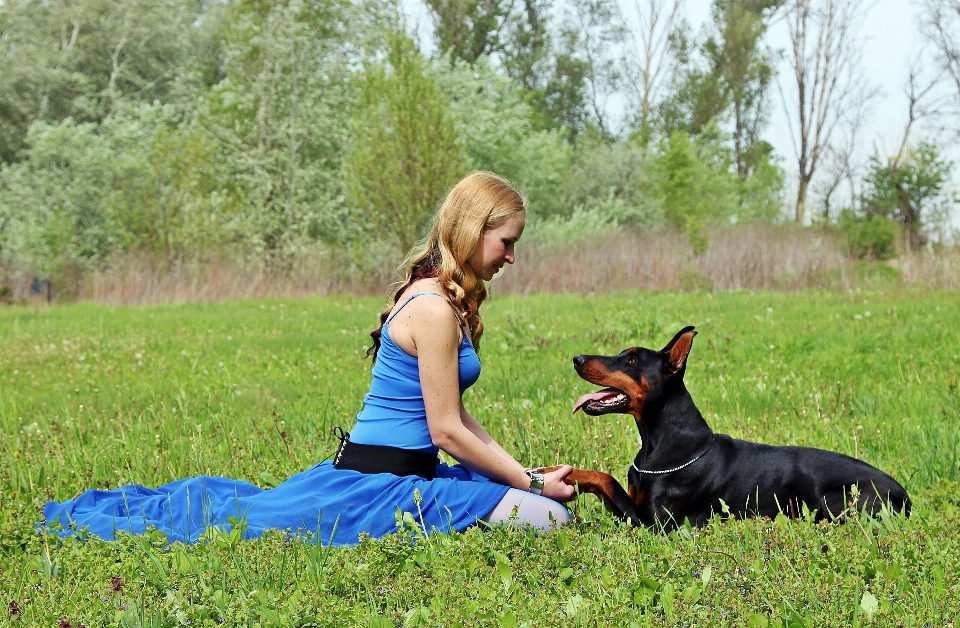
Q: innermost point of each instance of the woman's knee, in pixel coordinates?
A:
(524, 508)
(560, 514)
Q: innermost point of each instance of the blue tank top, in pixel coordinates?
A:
(393, 411)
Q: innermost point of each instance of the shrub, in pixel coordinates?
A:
(872, 237)
(616, 179)
(585, 223)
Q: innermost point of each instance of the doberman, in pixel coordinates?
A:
(684, 471)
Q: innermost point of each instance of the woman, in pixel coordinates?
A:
(424, 358)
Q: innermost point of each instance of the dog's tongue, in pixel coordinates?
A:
(595, 396)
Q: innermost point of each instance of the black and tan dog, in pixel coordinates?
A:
(686, 471)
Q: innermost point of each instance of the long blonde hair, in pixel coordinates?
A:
(480, 201)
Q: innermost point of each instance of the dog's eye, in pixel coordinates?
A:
(632, 360)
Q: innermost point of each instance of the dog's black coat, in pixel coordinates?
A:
(734, 476)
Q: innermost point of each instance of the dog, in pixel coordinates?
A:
(686, 472)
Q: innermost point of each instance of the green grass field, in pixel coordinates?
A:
(93, 396)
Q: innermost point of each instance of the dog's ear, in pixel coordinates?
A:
(678, 349)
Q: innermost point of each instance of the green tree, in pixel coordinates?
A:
(500, 132)
(525, 44)
(746, 68)
(726, 75)
(562, 97)
(56, 199)
(910, 188)
(468, 29)
(762, 194)
(63, 59)
(167, 195)
(406, 151)
(280, 117)
(142, 181)
(544, 61)
(694, 183)
(616, 180)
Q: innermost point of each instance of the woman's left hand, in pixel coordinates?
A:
(554, 487)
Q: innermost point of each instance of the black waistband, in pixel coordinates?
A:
(383, 459)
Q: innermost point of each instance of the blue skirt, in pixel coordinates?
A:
(334, 505)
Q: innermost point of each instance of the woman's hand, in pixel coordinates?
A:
(554, 486)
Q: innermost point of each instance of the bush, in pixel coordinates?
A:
(585, 223)
(407, 152)
(615, 179)
(872, 237)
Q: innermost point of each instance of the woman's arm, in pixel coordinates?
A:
(435, 335)
(553, 482)
(474, 426)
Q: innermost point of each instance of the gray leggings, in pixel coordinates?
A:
(521, 507)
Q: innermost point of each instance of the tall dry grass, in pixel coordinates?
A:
(939, 271)
(753, 257)
(140, 281)
(756, 257)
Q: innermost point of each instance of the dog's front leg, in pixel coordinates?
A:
(606, 487)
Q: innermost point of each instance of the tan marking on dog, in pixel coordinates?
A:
(680, 350)
(636, 391)
(596, 482)
(636, 495)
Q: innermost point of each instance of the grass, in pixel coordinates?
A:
(745, 257)
(94, 396)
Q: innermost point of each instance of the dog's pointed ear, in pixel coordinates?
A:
(678, 349)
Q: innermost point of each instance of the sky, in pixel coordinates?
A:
(891, 40)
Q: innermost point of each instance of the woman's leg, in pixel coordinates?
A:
(522, 507)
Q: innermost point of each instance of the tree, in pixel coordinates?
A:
(406, 151)
(167, 194)
(58, 198)
(526, 41)
(656, 21)
(562, 101)
(695, 184)
(280, 117)
(500, 133)
(468, 29)
(616, 181)
(542, 61)
(593, 31)
(942, 28)
(80, 60)
(909, 188)
(827, 80)
(841, 166)
(726, 75)
(747, 70)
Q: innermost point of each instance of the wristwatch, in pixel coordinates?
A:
(536, 481)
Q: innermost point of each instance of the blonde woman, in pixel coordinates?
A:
(425, 356)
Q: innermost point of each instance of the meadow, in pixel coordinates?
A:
(98, 396)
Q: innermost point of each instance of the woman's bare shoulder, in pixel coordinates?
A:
(429, 288)
(425, 317)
